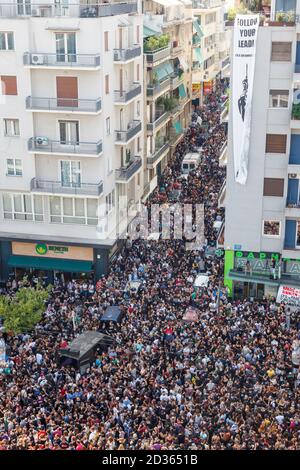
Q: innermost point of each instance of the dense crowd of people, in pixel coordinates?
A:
(224, 381)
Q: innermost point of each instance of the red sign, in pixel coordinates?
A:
(207, 87)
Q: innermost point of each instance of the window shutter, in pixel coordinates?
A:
(290, 234)
(9, 85)
(276, 143)
(67, 90)
(281, 51)
(273, 187)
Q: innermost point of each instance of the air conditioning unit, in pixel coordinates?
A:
(293, 176)
(40, 141)
(37, 59)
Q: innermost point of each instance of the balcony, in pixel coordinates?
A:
(124, 137)
(176, 80)
(265, 276)
(225, 63)
(160, 149)
(161, 119)
(56, 187)
(295, 115)
(125, 55)
(222, 195)
(72, 10)
(176, 51)
(163, 53)
(158, 88)
(125, 97)
(124, 174)
(292, 209)
(65, 61)
(176, 137)
(63, 105)
(53, 147)
(223, 155)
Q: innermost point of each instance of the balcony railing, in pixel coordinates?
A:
(225, 62)
(63, 104)
(292, 205)
(158, 152)
(44, 145)
(125, 136)
(175, 51)
(123, 55)
(176, 80)
(75, 9)
(159, 87)
(125, 173)
(265, 276)
(159, 54)
(125, 96)
(57, 187)
(38, 59)
(159, 120)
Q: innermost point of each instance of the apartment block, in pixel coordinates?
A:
(71, 133)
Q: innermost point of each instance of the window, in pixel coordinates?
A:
(65, 47)
(106, 41)
(14, 167)
(9, 84)
(279, 98)
(138, 34)
(281, 51)
(6, 41)
(68, 210)
(138, 144)
(23, 207)
(273, 187)
(107, 84)
(276, 143)
(298, 235)
(271, 228)
(138, 108)
(138, 72)
(11, 127)
(70, 173)
(69, 132)
(209, 62)
(210, 18)
(107, 126)
(110, 202)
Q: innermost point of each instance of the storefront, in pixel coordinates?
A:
(47, 260)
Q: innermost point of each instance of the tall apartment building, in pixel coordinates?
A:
(211, 46)
(262, 217)
(167, 82)
(71, 132)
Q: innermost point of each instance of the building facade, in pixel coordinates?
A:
(262, 217)
(71, 133)
(167, 82)
(211, 46)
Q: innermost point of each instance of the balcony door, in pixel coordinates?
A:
(24, 7)
(70, 173)
(69, 132)
(65, 47)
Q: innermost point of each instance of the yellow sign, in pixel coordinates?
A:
(50, 250)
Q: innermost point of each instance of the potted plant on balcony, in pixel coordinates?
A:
(296, 111)
(283, 18)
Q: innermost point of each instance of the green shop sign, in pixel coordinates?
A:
(253, 255)
(42, 249)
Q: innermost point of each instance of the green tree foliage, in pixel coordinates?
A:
(24, 310)
(154, 43)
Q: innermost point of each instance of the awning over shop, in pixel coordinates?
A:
(198, 29)
(182, 92)
(177, 127)
(163, 71)
(198, 54)
(50, 264)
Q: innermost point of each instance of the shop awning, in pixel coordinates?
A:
(198, 54)
(198, 29)
(182, 92)
(177, 127)
(50, 264)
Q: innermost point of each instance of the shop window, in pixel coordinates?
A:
(271, 228)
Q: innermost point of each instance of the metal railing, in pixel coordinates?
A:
(223, 148)
(176, 80)
(68, 104)
(44, 145)
(263, 274)
(125, 96)
(40, 59)
(125, 173)
(125, 136)
(122, 55)
(159, 54)
(207, 4)
(76, 9)
(152, 90)
(292, 204)
(57, 187)
(159, 120)
(158, 152)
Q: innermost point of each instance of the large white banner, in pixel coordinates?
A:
(288, 295)
(244, 51)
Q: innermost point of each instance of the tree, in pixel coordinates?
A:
(24, 310)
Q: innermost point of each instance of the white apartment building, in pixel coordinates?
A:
(71, 132)
(211, 46)
(167, 82)
(262, 217)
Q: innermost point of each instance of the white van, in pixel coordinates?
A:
(189, 163)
